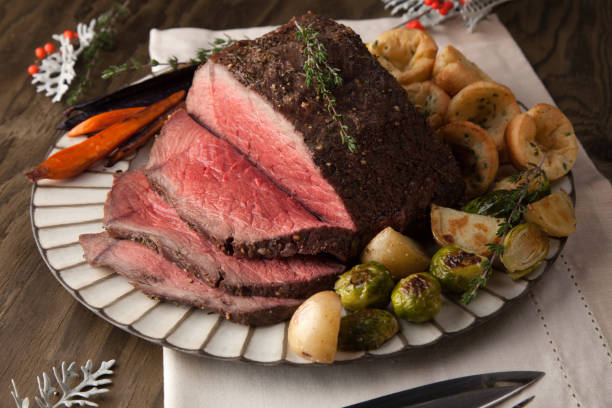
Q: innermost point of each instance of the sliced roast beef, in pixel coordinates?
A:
(134, 211)
(158, 277)
(254, 95)
(224, 197)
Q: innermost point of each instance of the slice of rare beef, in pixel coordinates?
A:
(218, 192)
(155, 276)
(253, 94)
(134, 211)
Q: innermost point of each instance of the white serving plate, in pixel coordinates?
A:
(61, 210)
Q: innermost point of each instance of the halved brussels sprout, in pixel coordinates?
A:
(495, 204)
(366, 329)
(365, 285)
(417, 298)
(455, 267)
(525, 247)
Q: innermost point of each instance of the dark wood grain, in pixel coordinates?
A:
(567, 42)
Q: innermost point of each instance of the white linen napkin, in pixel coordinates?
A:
(554, 329)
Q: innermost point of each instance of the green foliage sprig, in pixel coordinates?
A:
(532, 174)
(323, 76)
(103, 41)
(202, 55)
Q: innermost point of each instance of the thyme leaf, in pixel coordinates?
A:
(533, 173)
(202, 55)
(320, 74)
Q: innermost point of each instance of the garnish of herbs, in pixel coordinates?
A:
(104, 40)
(317, 69)
(202, 55)
(532, 174)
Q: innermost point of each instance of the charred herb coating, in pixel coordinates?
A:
(365, 285)
(417, 298)
(455, 267)
(366, 329)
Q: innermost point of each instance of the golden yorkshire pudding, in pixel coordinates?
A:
(475, 150)
(542, 130)
(408, 54)
(452, 71)
(489, 105)
(430, 100)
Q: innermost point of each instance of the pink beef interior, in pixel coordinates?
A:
(250, 123)
(134, 210)
(213, 186)
(157, 276)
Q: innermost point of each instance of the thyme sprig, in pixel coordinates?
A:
(103, 41)
(202, 55)
(323, 76)
(532, 174)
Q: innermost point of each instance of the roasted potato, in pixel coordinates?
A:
(542, 130)
(487, 104)
(452, 71)
(469, 231)
(400, 254)
(430, 100)
(313, 329)
(554, 214)
(476, 152)
(408, 54)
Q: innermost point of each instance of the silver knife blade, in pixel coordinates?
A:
(474, 391)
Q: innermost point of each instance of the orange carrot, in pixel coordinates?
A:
(138, 141)
(103, 120)
(73, 160)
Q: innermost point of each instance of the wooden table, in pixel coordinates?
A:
(41, 325)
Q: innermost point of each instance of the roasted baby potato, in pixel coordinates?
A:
(366, 329)
(542, 130)
(525, 247)
(470, 231)
(430, 100)
(408, 54)
(313, 329)
(554, 214)
(452, 71)
(476, 152)
(487, 104)
(400, 254)
(417, 298)
(365, 285)
(455, 267)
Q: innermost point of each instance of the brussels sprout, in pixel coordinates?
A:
(366, 329)
(537, 190)
(455, 267)
(496, 204)
(417, 298)
(365, 285)
(525, 246)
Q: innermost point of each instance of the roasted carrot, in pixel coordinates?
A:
(102, 121)
(135, 142)
(73, 160)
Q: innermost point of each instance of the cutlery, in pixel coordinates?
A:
(474, 391)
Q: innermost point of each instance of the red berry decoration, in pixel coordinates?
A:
(448, 5)
(415, 24)
(428, 2)
(40, 52)
(32, 69)
(68, 34)
(435, 5)
(49, 48)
